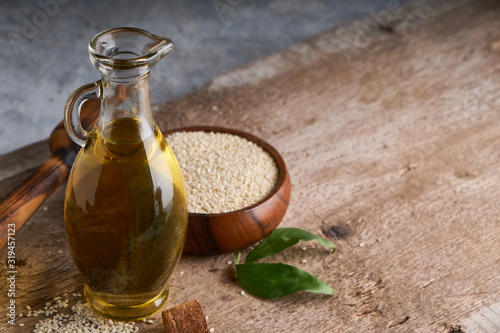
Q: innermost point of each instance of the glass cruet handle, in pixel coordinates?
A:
(73, 107)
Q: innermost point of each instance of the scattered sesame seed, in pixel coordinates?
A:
(229, 262)
(59, 251)
(211, 330)
(21, 325)
(304, 261)
(181, 273)
(46, 208)
(150, 321)
(304, 248)
(28, 307)
(242, 293)
(206, 317)
(85, 320)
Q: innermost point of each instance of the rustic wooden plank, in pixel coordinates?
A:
(391, 132)
(23, 159)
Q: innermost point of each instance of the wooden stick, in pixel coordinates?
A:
(17, 208)
(19, 205)
(187, 317)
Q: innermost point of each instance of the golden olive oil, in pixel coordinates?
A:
(126, 217)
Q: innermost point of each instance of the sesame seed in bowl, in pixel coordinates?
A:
(223, 172)
(237, 186)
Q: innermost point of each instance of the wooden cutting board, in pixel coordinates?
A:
(390, 128)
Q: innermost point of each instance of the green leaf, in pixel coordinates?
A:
(282, 238)
(277, 280)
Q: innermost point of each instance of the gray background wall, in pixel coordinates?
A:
(44, 55)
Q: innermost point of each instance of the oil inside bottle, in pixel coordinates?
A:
(126, 218)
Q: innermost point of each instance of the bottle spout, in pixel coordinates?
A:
(116, 51)
(161, 48)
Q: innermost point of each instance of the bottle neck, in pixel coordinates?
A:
(126, 103)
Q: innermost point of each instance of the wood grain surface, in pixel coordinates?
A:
(390, 129)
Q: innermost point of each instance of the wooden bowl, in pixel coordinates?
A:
(234, 231)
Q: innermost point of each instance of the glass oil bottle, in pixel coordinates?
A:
(125, 206)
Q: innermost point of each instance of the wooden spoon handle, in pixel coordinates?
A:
(18, 207)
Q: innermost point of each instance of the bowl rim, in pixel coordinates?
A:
(278, 159)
